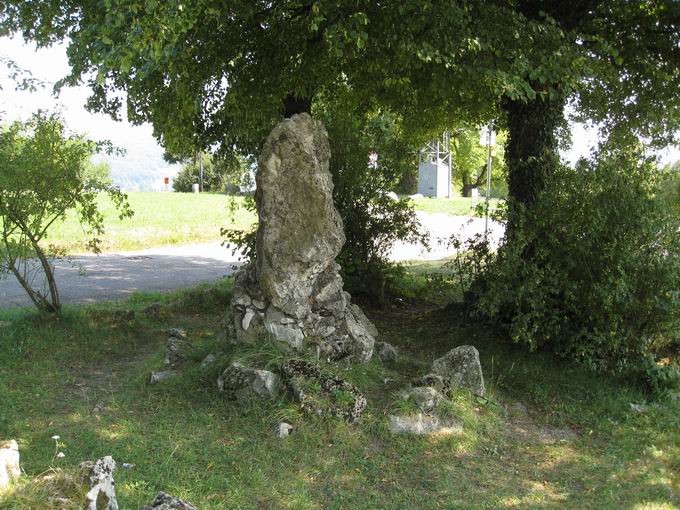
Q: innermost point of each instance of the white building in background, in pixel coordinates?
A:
(435, 167)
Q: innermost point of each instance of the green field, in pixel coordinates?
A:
(457, 206)
(160, 219)
(179, 218)
(550, 434)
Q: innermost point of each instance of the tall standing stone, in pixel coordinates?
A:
(293, 292)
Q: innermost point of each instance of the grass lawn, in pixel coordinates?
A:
(551, 435)
(160, 219)
(457, 206)
(180, 218)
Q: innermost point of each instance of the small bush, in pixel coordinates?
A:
(592, 271)
(369, 155)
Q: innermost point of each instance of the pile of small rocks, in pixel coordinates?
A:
(458, 368)
(176, 354)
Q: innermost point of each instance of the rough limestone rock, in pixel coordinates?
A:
(178, 333)
(98, 477)
(300, 232)
(319, 392)
(360, 316)
(164, 501)
(283, 430)
(160, 377)
(293, 292)
(387, 353)
(461, 367)
(208, 360)
(9, 462)
(238, 382)
(176, 351)
(426, 398)
(432, 380)
(422, 424)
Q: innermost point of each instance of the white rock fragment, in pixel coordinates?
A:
(422, 424)
(638, 408)
(283, 430)
(425, 398)
(9, 462)
(247, 319)
(99, 479)
(176, 351)
(387, 353)
(159, 377)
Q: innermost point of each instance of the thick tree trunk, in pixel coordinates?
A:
(53, 305)
(293, 105)
(469, 185)
(531, 149)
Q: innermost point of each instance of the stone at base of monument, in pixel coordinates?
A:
(292, 292)
(435, 381)
(321, 393)
(387, 353)
(176, 351)
(332, 336)
(208, 360)
(422, 424)
(9, 462)
(162, 376)
(164, 501)
(238, 383)
(98, 477)
(460, 367)
(425, 398)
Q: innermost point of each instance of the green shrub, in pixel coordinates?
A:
(374, 221)
(45, 173)
(593, 269)
(669, 188)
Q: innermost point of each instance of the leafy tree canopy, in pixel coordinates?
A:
(208, 75)
(217, 174)
(205, 73)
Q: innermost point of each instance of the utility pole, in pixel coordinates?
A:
(488, 178)
(200, 172)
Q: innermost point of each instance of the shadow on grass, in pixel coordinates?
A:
(575, 443)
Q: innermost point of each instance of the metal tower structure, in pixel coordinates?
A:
(438, 152)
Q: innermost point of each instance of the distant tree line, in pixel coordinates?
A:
(221, 174)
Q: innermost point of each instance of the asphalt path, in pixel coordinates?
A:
(113, 276)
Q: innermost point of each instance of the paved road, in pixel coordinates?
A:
(440, 228)
(117, 275)
(90, 278)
